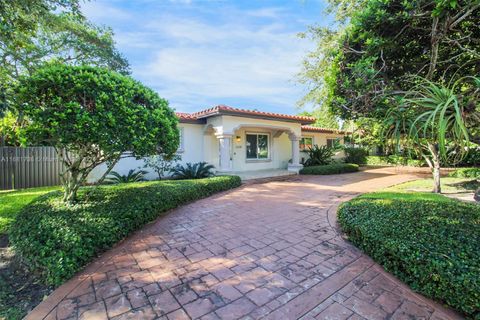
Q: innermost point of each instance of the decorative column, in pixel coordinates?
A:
(295, 165)
(225, 142)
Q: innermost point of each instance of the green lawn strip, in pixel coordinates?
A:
(56, 240)
(449, 185)
(427, 240)
(11, 202)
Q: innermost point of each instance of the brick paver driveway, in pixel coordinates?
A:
(268, 250)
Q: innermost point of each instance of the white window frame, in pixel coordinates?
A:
(313, 142)
(269, 147)
(181, 147)
(339, 139)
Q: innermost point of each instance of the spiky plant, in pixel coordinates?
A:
(319, 155)
(193, 171)
(132, 176)
(430, 118)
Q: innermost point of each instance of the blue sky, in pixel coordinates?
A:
(201, 53)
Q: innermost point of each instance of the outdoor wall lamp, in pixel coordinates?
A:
(238, 138)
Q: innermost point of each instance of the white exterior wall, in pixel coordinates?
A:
(200, 142)
(280, 151)
(320, 139)
(191, 150)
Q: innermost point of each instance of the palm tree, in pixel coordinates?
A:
(430, 118)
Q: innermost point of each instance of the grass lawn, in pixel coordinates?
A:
(449, 185)
(16, 284)
(11, 202)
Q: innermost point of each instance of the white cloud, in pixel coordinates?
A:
(247, 57)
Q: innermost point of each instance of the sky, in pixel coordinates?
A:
(201, 53)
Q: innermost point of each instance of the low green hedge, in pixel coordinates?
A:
(431, 245)
(333, 168)
(466, 173)
(56, 240)
(393, 160)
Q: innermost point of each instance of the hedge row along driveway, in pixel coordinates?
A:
(56, 239)
(269, 251)
(429, 241)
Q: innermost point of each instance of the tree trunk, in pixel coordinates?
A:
(70, 187)
(434, 164)
(436, 178)
(109, 169)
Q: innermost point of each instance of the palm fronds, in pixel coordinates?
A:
(132, 176)
(193, 171)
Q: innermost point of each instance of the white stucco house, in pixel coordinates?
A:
(238, 140)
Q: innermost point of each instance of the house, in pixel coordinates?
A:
(239, 140)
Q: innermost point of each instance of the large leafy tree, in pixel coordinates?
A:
(378, 48)
(92, 115)
(324, 118)
(33, 31)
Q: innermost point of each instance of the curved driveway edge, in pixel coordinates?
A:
(270, 250)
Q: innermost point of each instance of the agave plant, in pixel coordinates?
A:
(320, 155)
(132, 176)
(193, 171)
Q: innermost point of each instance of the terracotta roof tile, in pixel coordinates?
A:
(185, 116)
(222, 109)
(322, 130)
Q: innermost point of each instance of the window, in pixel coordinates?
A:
(257, 146)
(306, 143)
(181, 138)
(332, 142)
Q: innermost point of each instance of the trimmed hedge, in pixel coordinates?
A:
(56, 240)
(431, 245)
(466, 173)
(393, 160)
(333, 168)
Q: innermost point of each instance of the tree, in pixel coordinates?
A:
(161, 163)
(378, 49)
(432, 118)
(324, 118)
(34, 31)
(93, 115)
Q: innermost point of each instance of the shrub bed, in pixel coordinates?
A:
(393, 160)
(431, 245)
(333, 168)
(356, 155)
(466, 173)
(56, 240)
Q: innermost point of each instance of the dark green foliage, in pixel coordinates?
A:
(319, 155)
(466, 173)
(132, 176)
(357, 68)
(393, 160)
(333, 168)
(95, 114)
(193, 171)
(356, 155)
(56, 239)
(431, 245)
(472, 157)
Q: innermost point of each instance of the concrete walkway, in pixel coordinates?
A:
(269, 250)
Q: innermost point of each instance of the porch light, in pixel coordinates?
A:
(238, 138)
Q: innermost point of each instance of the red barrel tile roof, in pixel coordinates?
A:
(222, 109)
(322, 130)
